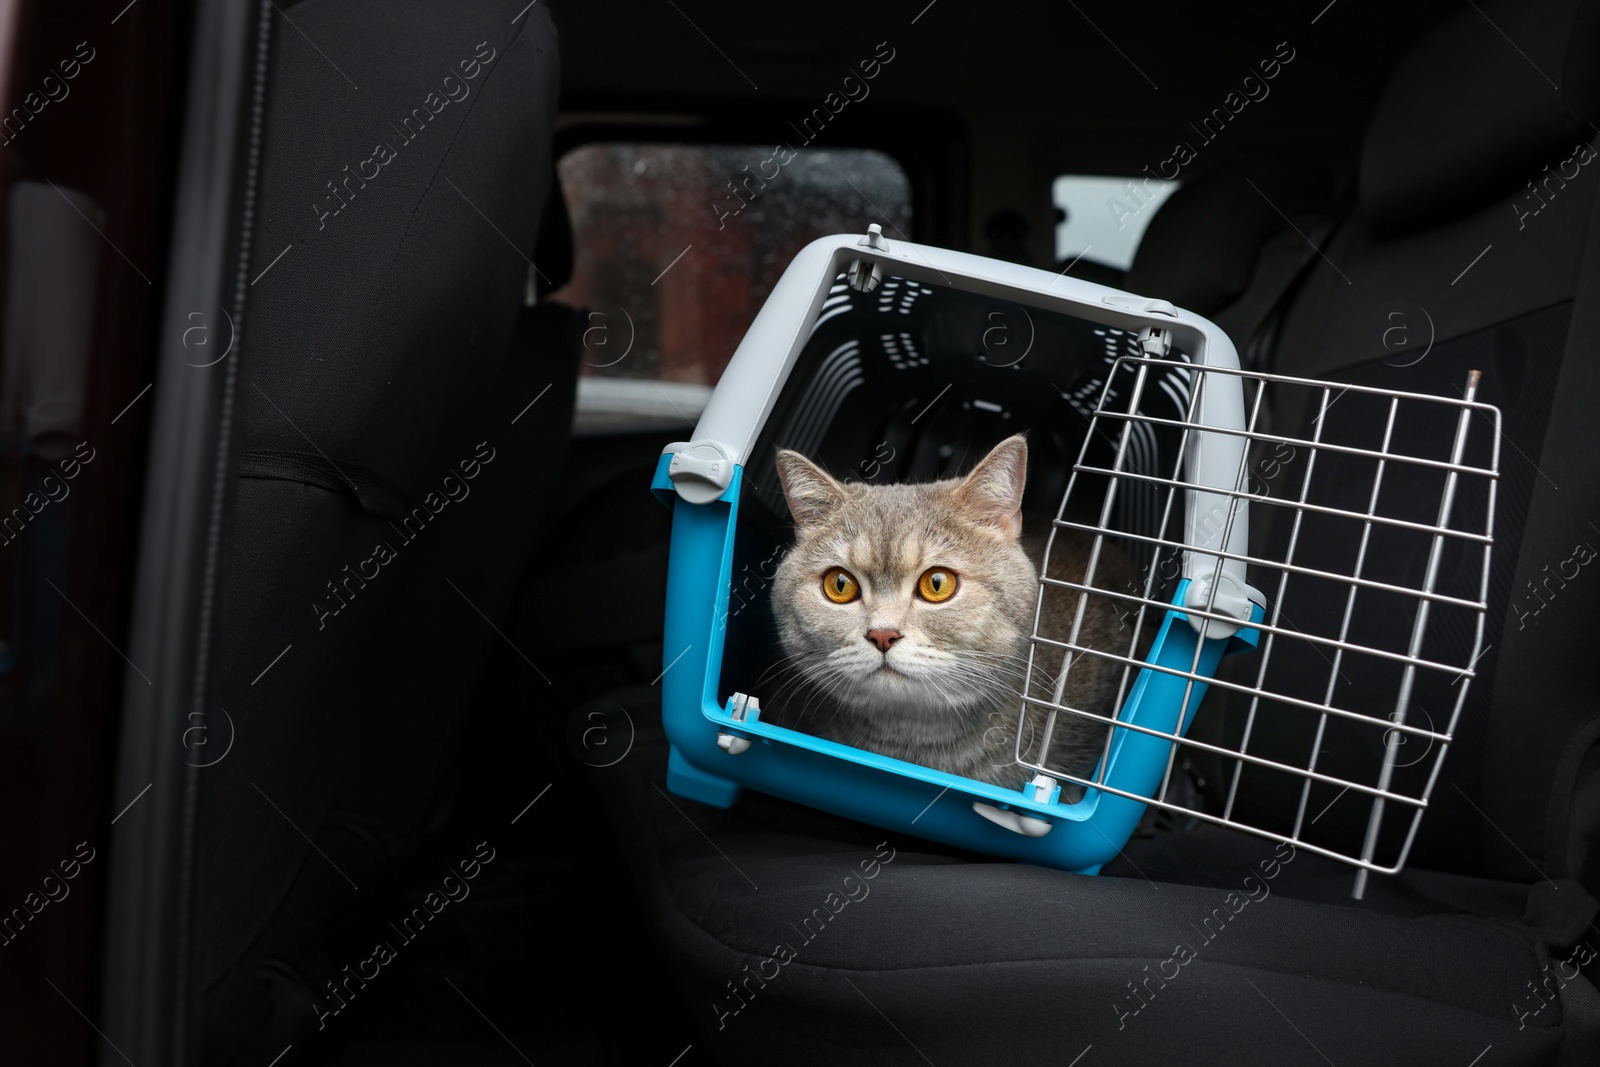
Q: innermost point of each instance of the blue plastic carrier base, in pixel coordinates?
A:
(872, 788)
(720, 745)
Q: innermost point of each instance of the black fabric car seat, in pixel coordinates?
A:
(393, 466)
(1204, 245)
(1211, 947)
(1477, 237)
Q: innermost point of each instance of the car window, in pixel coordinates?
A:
(677, 247)
(1103, 217)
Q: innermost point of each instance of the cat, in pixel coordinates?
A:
(904, 614)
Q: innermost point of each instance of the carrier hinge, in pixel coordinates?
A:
(865, 274)
(1156, 341)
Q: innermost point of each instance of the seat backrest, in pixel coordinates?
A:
(1475, 231)
(394, 477)
(1204, 244)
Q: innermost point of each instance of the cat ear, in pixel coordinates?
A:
(992, 494)
(811, 492)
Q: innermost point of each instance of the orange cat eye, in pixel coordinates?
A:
(839, 586)
(937, 584)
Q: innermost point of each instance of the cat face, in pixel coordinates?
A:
(908, 603)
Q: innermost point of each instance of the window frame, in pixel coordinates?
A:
(928, 145)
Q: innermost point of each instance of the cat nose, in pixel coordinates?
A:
(883, 638)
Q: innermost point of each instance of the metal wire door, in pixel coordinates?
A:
(1373, 521)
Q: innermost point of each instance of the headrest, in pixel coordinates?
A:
(1203, 243)
(552, 249)
(1479, 106)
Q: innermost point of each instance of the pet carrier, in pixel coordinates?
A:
(1337, 535)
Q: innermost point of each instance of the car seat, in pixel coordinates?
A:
(392, 465)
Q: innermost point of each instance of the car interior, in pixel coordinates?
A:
(333, 669)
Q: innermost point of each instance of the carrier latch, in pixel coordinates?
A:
(701, 472)
(1232, 597)
(1044, 789)
(746, 708)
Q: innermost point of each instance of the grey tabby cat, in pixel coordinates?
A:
(904, 613)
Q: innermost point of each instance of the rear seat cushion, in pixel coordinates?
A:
(974, 960)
